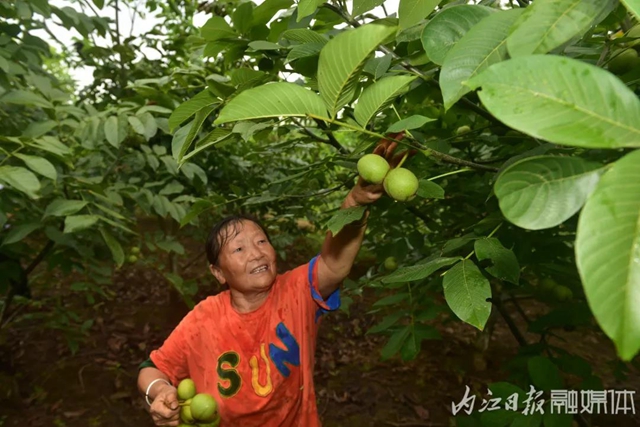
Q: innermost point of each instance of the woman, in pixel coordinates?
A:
(252, 346)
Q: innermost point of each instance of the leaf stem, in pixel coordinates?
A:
(450, 173)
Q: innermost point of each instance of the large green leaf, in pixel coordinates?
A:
(19, 232)
(633, 6)
(64, 207)
(115, 131)
(447, 27)
(505, 263)
(341, 62)
(190, 107)
(304, 35)
(344, 217)
(484, 44)
(379, 95)
(179, 150)
(75, 223)
(114, 247)
(466, 291)
(547, 24)
(272, 100)
(396, 342)
(608, 253)
(21, 179)
(362, 6)
(217, 28)
(544, 191)
(265, 11)
(410, 12)
(39, 165)
(23, 97)
(418, 271)
(307, 7)
(561, 100)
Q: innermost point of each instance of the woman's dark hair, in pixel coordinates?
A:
(223, 231)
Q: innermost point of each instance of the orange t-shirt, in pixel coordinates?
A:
(259, 365)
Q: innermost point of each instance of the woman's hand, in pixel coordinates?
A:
(165, 408)
(365, 193)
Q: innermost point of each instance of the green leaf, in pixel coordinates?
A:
(216, 28)
(386, 322)
(52, 145)
(411, 12)
(395, 343)
(466, 291)
(544, 191)
(75, 223)
(20, 179)
(154, 109)
(378, 96)
(429, 190)
(633, 6)
(39, 165)
(307, 7)
(377, 67)
(413, 122)
(547, 24)
(344, 217)
(544, 374)
(392, 299)
(272, 100)
(341, 61)
(362, 6)
(23, 97)
(265, 11)
(561, 100)
(180, 148)
(64, 207)
(37, 129)
(214, 137)
(196, 209)
(171, 246)
(114, 247)
(150, 125)
(418, 271)
(99, 3)
(530, 420)
(304, 35)
(19, 232)
(607, 253)
(304, 51)
(242, 17)
(113, 131)
(484, 44)
(264, 45)
(557, 420)
(190, 107)
(137, 125)
(447, 27)
(505, 264)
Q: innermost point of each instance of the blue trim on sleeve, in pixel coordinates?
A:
(332, 302)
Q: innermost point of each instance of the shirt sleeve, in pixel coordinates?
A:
(324, 305)
(172, 357)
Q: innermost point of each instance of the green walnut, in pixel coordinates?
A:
(401, 184)
(373, 168)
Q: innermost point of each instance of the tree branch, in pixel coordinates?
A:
(456, 161)
(509, 321)
(332, 141)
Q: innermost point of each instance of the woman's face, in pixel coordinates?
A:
(247, 261)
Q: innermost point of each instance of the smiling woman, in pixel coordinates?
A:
(252, 346)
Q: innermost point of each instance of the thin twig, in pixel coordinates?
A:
(509, 321)
(330, 141)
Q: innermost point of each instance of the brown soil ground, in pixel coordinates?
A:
(43, 384)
